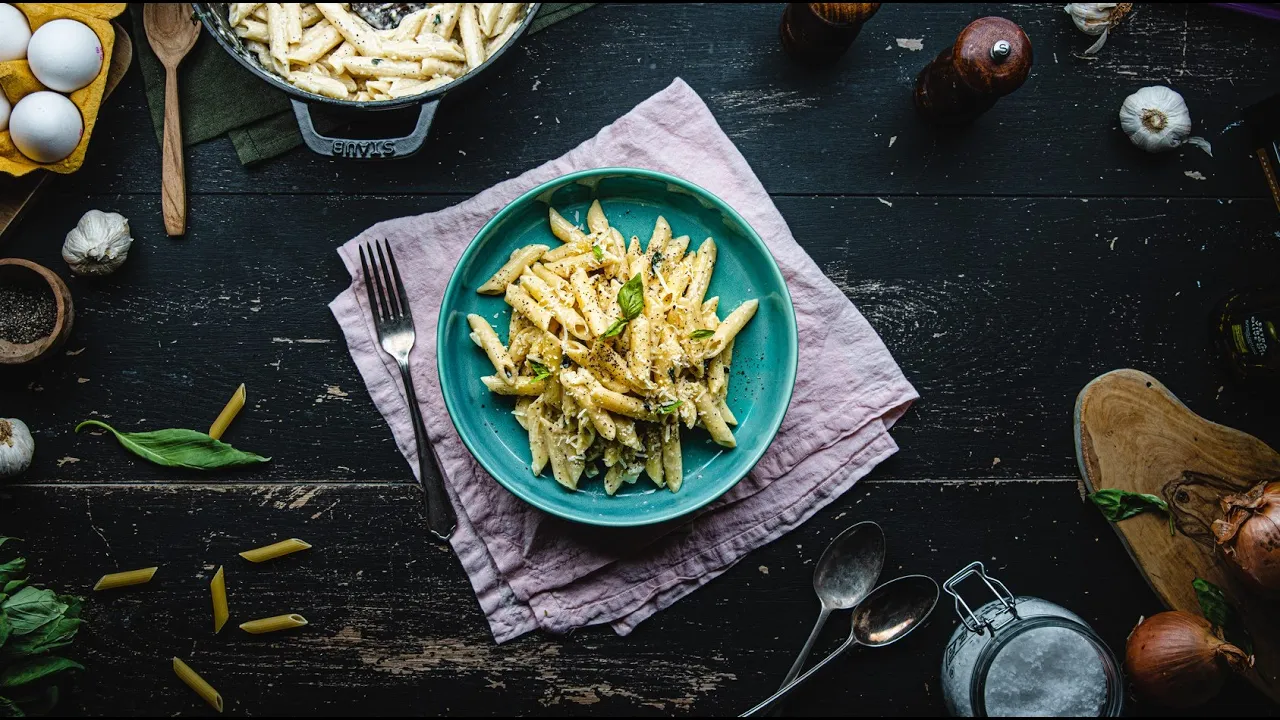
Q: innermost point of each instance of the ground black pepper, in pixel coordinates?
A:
(26, 313)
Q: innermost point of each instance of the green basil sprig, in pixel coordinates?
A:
(670, 408)
(631, 300)
(599, 253)
(33, 621)
(1117, 505)
(540, 371)
(702, 334)
(180, 448)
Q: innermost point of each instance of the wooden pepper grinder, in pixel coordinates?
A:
(819, 33)
(990, 59)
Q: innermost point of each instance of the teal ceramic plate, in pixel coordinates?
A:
(764, 355)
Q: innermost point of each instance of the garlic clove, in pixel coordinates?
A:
(98, 244)
(17, 447)
(1156, 119)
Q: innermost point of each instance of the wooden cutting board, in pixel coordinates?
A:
(16, 192)
(1135, 435)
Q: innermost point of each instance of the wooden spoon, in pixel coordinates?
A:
(172, 31)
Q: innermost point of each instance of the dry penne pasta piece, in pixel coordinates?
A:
(229, 412)
(218, 589)
(275, 550)
(273, 624)
(110, 581)
(353, 29)
(197, 683)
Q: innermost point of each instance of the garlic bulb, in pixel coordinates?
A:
(98, 244)
(16, 448)
(1097, 19)
(1155, 118)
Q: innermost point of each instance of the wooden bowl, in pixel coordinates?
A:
(25, 272)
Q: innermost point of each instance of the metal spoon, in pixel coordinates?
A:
(888, 614)
(846, 572)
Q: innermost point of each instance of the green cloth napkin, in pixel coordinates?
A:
(218, 96)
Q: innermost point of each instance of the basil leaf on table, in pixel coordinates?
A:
(180, 448)
(32, 607)
(1221, 614)
(34, 669)
(1117, 505)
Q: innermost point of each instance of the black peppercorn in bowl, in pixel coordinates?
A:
(35, 311)
(215, 17)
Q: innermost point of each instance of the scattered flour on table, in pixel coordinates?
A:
(913, 44)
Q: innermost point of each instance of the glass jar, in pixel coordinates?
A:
(1023, 656)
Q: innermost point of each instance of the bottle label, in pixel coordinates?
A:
(1255, 336)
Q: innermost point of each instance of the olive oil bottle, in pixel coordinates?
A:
(1246, 330)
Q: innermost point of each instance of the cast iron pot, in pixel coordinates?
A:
(214, 17)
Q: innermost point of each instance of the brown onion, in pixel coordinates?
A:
(1249, 535)
(1174, 659)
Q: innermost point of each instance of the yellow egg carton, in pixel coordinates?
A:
(17, 80)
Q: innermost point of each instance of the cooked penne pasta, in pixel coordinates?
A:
(273, 624)
(275, 550)
(612, 347)
(111, 581)
(229, 412)
(427, 48)
(218, 589)
(197, 683)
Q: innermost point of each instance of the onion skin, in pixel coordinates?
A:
(1249, 535)
(1173, 659)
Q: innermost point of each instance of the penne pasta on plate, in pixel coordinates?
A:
(432, 46)
(611, 346)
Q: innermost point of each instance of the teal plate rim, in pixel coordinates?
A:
(521, 490)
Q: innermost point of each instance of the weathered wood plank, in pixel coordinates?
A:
(999, 310)
(851, 130)
(395, 628)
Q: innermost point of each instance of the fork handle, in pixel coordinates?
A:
(441, 519)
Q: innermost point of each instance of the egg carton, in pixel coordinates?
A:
(17, 81)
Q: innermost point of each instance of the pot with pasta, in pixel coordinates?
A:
(366, 57)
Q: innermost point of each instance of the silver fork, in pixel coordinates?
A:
(389, 304)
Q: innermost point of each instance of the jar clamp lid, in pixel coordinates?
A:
(1018, 655)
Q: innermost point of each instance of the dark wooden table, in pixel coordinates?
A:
(1005, 264)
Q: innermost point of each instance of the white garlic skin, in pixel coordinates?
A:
(1156, 119)
(17, 447)
(98, 244)
(1091, 18)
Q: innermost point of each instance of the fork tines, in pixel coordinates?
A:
(388, 300)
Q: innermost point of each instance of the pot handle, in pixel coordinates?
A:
(364, 149)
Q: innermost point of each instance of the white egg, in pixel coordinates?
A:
(15, 32)
(45, 126)
(65, 55)
(4, 112)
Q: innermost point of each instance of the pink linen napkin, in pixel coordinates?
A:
(532, 570)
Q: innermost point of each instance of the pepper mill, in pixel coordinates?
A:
(990, 59)
(819, 33)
